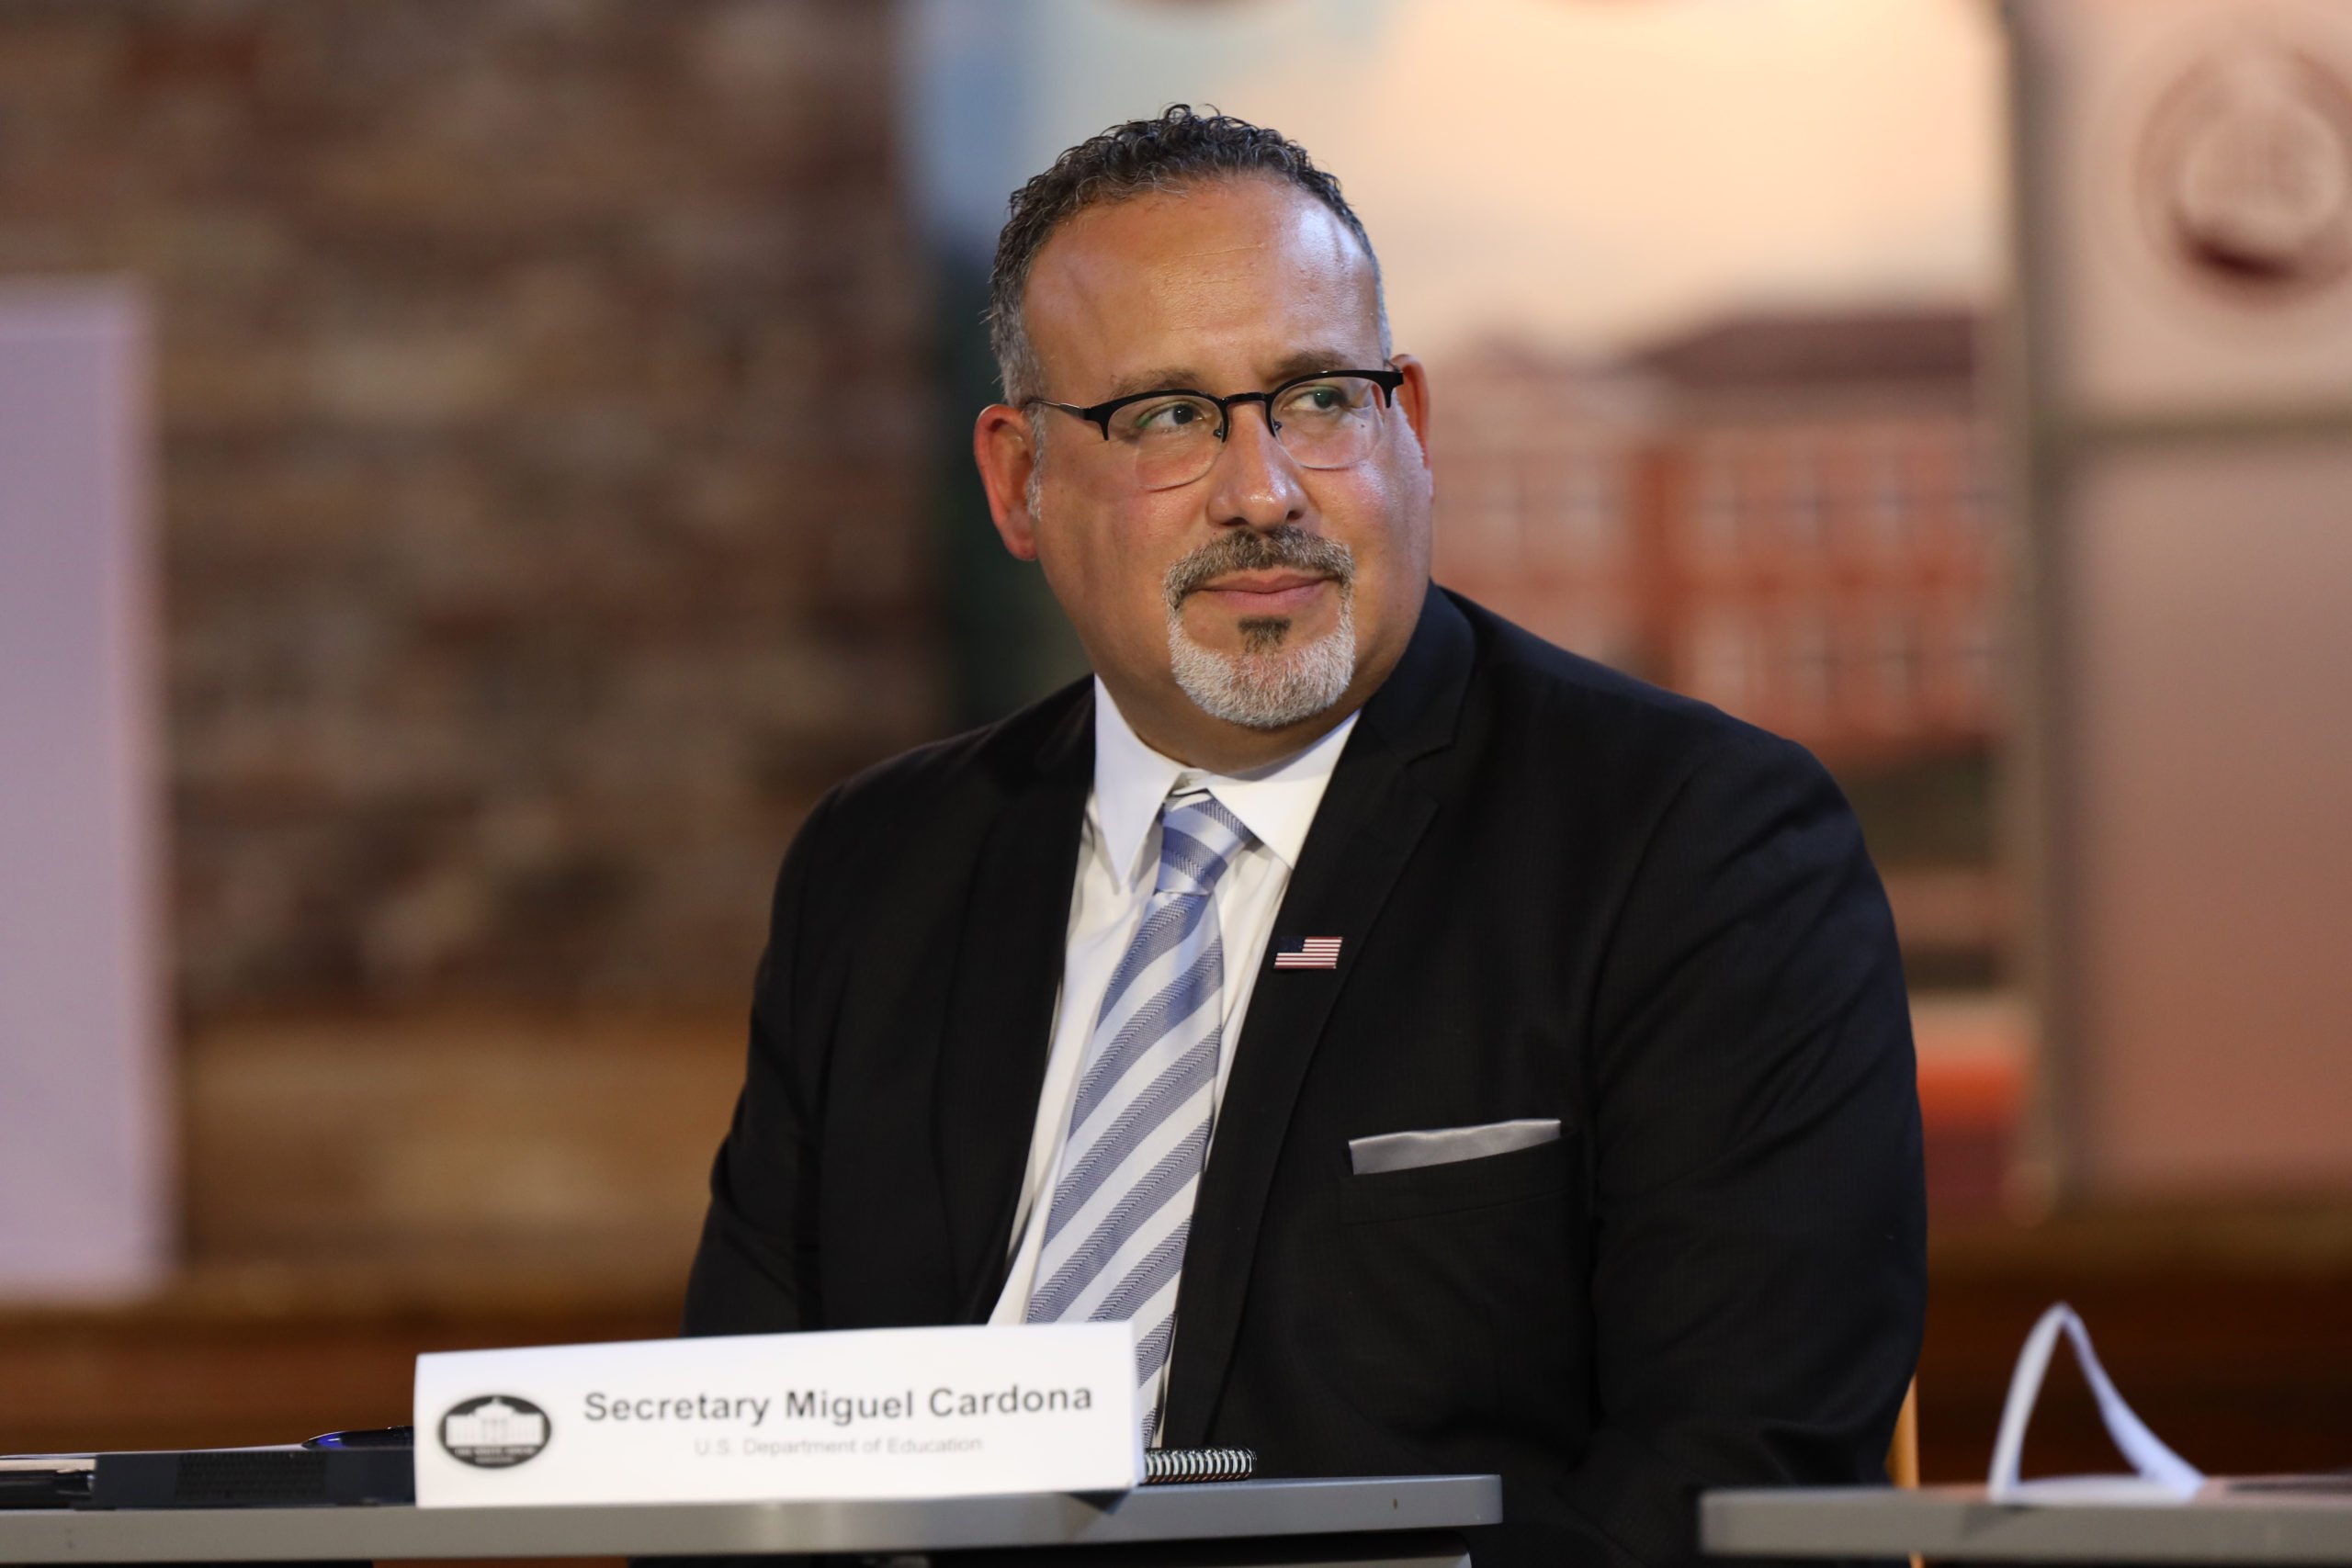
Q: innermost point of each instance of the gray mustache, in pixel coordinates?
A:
(1246, 549)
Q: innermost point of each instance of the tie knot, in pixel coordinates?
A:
(1198, 838)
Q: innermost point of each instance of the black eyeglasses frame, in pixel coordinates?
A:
(1099, 415)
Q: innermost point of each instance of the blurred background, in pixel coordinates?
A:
(473, 472)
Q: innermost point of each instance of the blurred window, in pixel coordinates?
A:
(1595, 499)
(1810, 661)
(1896, 658)
(1802, 508)
(1975, 657)
(1980, 497)
(1723, 658)
(1886, 500)
(1715, 510)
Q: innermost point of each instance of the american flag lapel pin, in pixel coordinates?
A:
(1312, 952)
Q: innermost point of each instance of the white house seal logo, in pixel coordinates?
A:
(494, 1432)
(2245, 173)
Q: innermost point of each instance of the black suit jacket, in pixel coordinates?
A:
(1559, 893)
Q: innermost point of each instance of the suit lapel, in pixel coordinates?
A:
(1373, 814)
(1000, 1017)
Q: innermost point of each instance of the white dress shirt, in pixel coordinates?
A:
(1118, 866)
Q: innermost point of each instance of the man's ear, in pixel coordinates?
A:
(1001, 446)
(1413, 397)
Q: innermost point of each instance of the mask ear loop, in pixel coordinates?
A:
(2154, 1464)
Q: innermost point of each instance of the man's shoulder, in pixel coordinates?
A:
(1596, 717)
(978, 765)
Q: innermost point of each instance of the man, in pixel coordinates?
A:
(1453, 1055)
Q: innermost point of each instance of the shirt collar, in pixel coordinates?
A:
(1277, 802)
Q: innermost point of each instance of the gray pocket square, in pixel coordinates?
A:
(1444, 1145)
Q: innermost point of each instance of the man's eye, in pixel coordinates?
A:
(1322, 398)
(1165, 418)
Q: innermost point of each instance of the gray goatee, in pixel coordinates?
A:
(1269, 684)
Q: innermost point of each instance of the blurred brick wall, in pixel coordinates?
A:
(541, 423)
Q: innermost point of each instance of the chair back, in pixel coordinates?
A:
(1902, 1453)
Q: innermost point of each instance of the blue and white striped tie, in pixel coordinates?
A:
(1139, 1127)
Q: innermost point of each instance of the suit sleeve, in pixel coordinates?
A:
(1759, 1273)
(755, 1271)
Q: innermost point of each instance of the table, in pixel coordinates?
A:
(1398, 1522)
(1956, 1523)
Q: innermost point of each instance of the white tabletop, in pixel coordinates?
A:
(1224, 1511)
(1956, 1522)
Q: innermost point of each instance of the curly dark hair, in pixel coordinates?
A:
(1162, 154)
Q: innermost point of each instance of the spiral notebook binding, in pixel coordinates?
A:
(1164, 1467)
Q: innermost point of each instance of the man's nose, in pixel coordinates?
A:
(1255, 483)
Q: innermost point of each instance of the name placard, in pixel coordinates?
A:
(865, 1413)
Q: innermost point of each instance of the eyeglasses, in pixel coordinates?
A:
(1326, 421)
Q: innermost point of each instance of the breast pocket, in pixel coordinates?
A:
(1463, 1281)
(1476, 1183)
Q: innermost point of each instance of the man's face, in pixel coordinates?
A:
(1262, 566)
